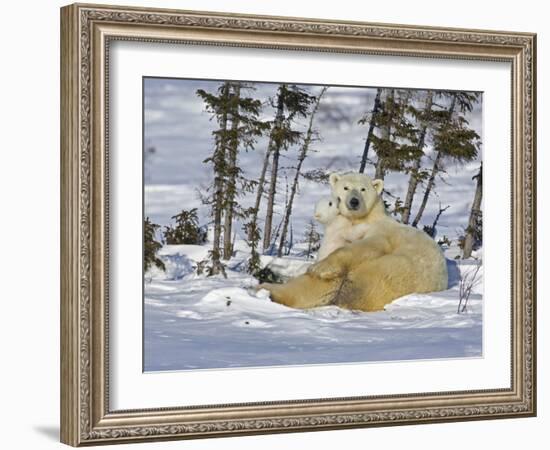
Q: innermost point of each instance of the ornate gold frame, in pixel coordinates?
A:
(86, 31)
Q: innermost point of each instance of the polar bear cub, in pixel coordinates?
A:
(339, 230)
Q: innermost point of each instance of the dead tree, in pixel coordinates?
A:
(468, 281)
(475, 216)
(291, 102)
(432, 230)
(301, 157)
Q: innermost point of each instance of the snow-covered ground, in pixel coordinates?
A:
(195, 322)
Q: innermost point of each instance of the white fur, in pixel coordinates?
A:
(338, 229)
(392, 261)
(326, 210)
(358, 231)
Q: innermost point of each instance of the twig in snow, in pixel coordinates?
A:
(467, 283)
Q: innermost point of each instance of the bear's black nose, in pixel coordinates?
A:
(354, 203)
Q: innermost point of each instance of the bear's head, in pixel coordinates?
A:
(357, 193)
(326, 210)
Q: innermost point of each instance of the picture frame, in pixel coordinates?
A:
(87, 32)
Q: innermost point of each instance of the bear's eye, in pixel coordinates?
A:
(330, 204)
(362, 189)
(345, 188)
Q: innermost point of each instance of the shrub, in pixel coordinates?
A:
(151, 246)
(186, 230)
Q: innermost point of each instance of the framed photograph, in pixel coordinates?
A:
(278, 224)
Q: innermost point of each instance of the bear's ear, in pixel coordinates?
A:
(378, 185)
(333, 179)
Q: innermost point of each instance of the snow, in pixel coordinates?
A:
(198, 322)
(286, 267)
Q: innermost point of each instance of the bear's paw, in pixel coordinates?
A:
(325, 270)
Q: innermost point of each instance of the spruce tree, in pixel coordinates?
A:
(253, 265)
(304, 149)
(396, 143)
(218, 106)
(246, 127)
(239, 127)
(313, 238)
(186, 230)
(151, 246)
(291, 102)
(452, 139)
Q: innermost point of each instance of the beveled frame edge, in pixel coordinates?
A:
(85, 34)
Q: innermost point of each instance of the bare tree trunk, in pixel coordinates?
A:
(375, 110)
(413, 178)
(380, 170)
(217, 266)
(301, 158)
(431, 180)
(474, 214)
(260, 191)
(230, 190)
(441, 211)
(276, 150)
(271, 198)
(429, 187)
(411, 190)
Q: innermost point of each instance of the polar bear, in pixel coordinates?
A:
(338, 230)
(391, 261)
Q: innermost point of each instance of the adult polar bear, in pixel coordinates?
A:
(392, 259)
